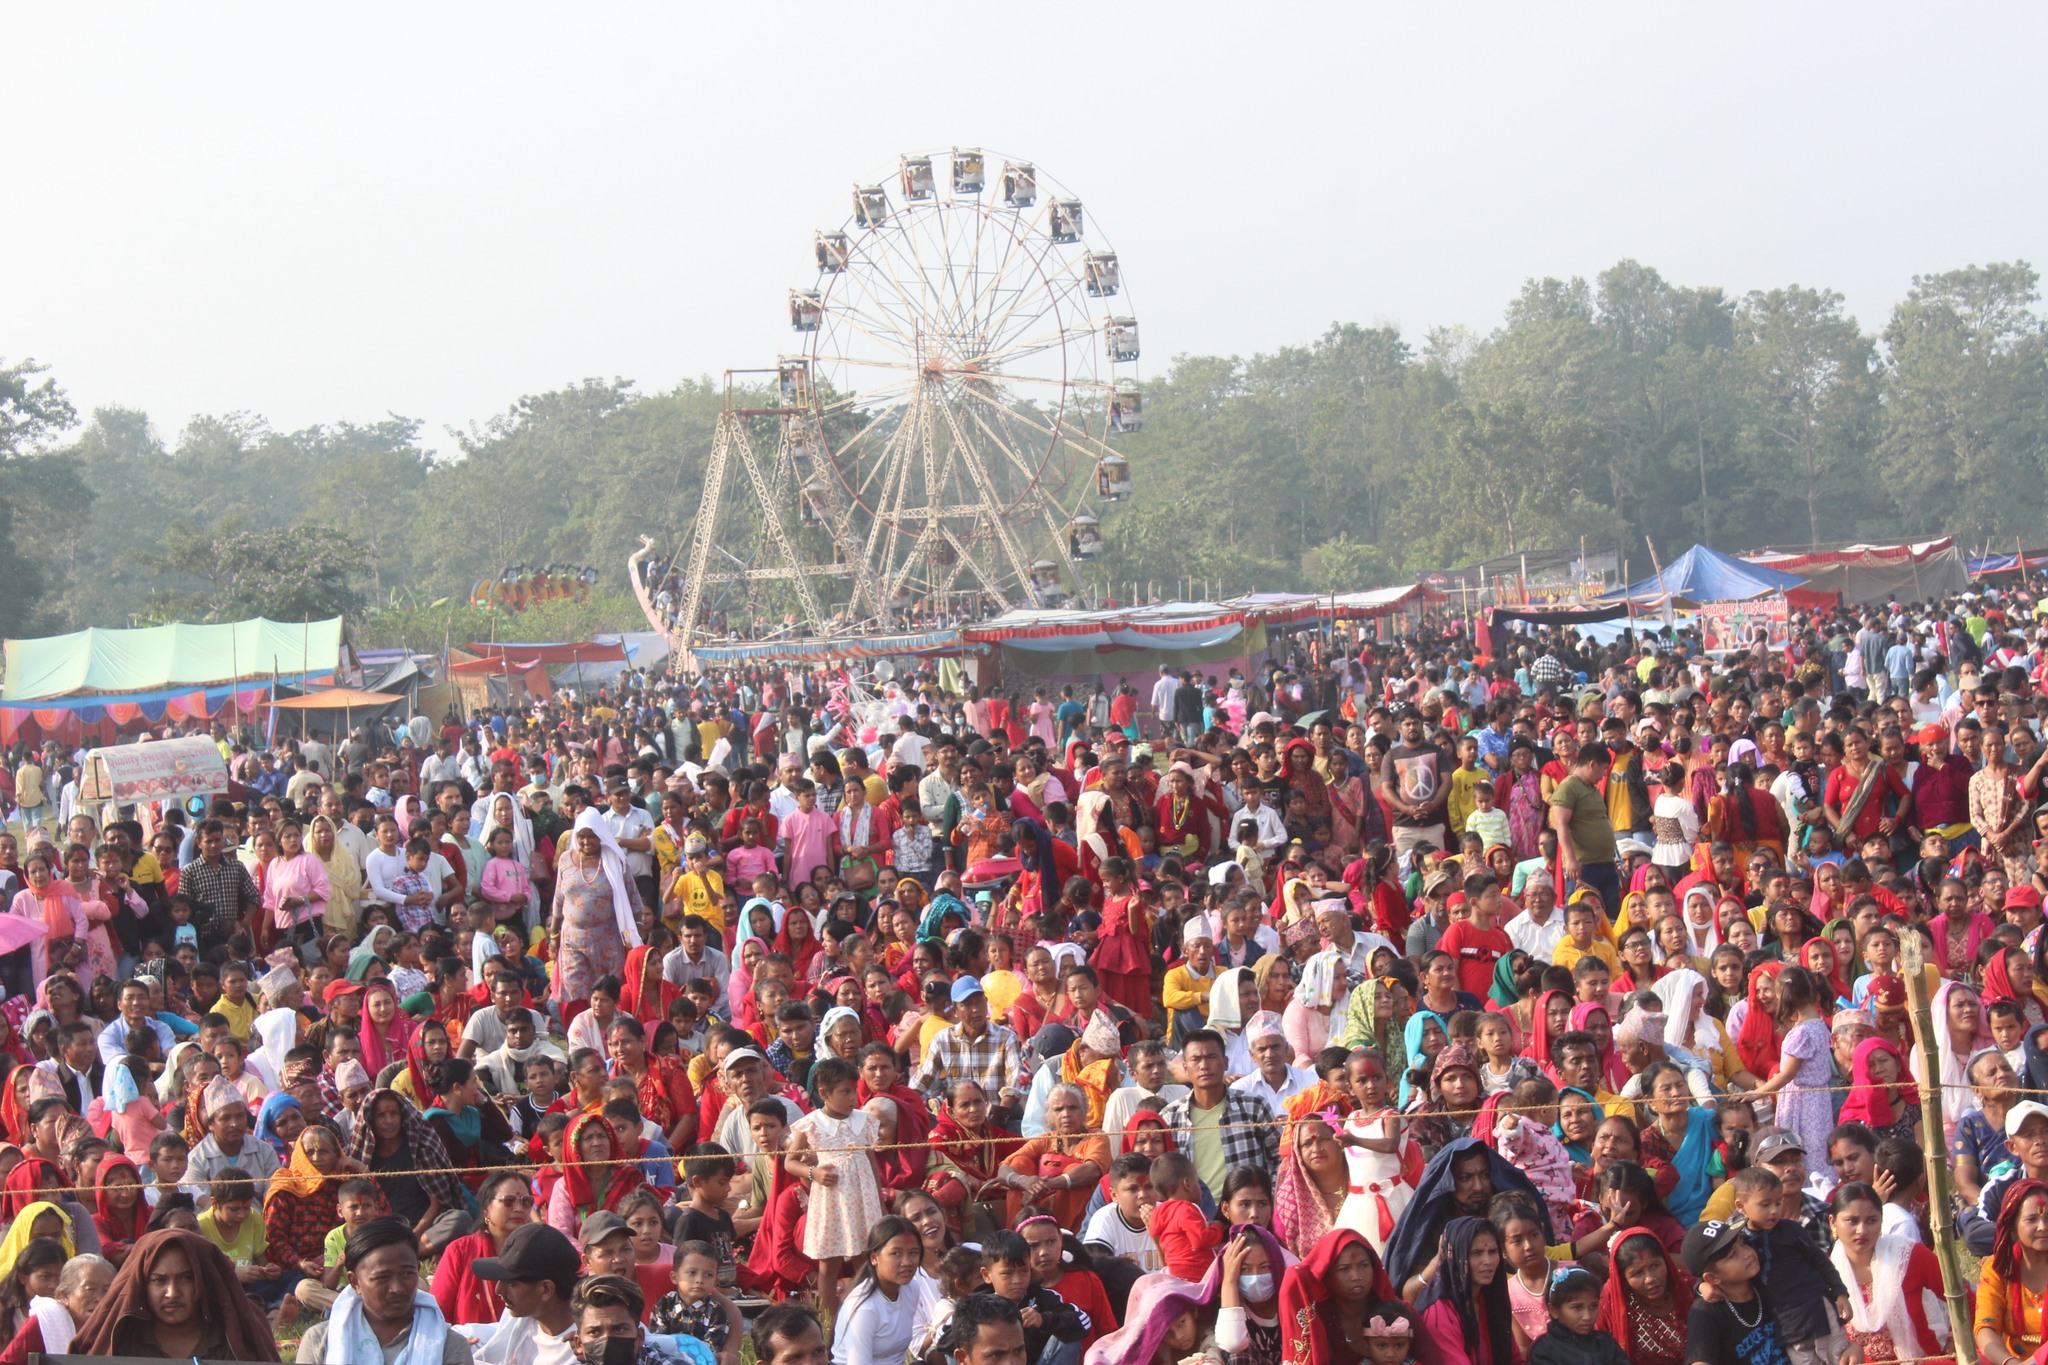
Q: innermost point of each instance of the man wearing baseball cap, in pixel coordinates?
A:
(536, 1271)
(2026, 1137)
(969, 1049)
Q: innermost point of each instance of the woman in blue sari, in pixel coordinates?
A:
(1681, 1135)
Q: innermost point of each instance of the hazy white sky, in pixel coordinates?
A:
(333, 212)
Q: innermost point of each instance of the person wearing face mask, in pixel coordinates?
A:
(1248, 1320)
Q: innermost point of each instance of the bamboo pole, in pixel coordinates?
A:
(1955, 1289)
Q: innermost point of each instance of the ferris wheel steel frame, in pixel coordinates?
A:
(947, 422)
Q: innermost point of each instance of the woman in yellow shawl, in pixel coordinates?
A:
(344, 878)
(40, 1219)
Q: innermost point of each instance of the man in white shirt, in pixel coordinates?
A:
(633, 827)
(1274, 1077)
(1272, 829)
(1539, 928)
(1150, 1079)
(1162, 699)
(782, 797)
(908, 750)
(536, 1272)
(440, 766)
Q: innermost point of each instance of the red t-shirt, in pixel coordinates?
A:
(1477, 950)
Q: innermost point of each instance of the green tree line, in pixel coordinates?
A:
(1618, 409)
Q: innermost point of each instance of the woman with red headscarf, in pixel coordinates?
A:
(1644, 1302)
(590, 1183)
(797, 939)
(1550, 1020)
(2009, 975)
(384, 1032)
(1881, 1092)
(2014, 1280)
(1820, 958)
(1756, 1032)
(1326, 1298)
(1584, 1015)
(968, 1152)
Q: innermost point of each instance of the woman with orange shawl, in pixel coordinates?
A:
(590, 1183)
(1057, 1171)
(1313, 1185)
(1090, 1065)
(1325, 1300)
(968, 1153)
(299, 1211)
(51, 904)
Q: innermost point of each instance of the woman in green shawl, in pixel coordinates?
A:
(1379, 1008)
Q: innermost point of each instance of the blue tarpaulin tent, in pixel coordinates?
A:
(1703, 575)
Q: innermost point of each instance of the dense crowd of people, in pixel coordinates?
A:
(1405, 1000)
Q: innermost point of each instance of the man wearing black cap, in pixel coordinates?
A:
(536, 1271)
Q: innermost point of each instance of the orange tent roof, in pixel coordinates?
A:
(336, 699)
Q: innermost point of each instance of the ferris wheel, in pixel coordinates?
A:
(969, 357)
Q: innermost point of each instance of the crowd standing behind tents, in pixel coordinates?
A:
(1390, 1004)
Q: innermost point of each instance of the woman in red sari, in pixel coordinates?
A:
(660, 1084)
(644, 993)
(1756, 1034)
(797, 939)
(968, 1152)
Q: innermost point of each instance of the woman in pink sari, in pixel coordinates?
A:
(51, 904)
(384, 1033)
(1592, 1017)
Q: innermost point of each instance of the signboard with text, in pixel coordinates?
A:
(1727, 626)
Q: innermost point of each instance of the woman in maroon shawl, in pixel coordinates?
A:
(798, 947)
(966, 1153)
(905, 1164)
(1298, 771)
(776, 1266)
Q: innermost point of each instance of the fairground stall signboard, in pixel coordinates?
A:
(1728, 626)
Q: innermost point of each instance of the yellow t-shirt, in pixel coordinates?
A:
(703, 893)
(241, 1018)
(1568, 953)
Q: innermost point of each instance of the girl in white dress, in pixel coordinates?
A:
(1383, 1169)
(829, 1148)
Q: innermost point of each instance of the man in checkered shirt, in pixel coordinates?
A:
(970, 1048)
(1216, 1127)
(1546, 671)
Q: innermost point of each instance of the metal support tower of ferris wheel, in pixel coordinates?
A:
(968, 357)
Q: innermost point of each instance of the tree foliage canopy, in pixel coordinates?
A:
(1619, 409)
